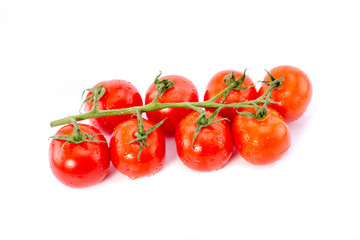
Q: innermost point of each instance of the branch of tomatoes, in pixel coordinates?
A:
(204, 141)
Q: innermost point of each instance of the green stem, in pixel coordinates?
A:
(153, 106)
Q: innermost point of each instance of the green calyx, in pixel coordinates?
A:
(142, 135)
(162, 85)
(261, 112)
(203, 121)
(275, 83)
(77, 136)
(235, 84)
(97, 93)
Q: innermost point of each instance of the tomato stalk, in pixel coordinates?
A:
(155, 105)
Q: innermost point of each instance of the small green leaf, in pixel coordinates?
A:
(265, 82)
(270, 76)
(240, 81)
(140, 150)
(147, 132)
(97, 93)
(91, 138)
(60, 137)
(236, 86)
(202, 121)
(247, 114)
(231, 80)
(228, 75)
(138, 139)
(157, 78)
(162, 85)
(102, 92)
(221, 119)
(213, 116)
(225, 95)
(196, 133)
(141, 135)
(245, 88)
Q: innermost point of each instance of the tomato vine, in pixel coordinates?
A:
(232, 114)
(165, 84)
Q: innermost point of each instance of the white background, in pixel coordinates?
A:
(50, 51)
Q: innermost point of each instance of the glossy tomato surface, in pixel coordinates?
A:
(119, 94)
(182, 91)
(293, 96)
(212, 148)
(263, 141)
(124, 156)
(79, 165)
(216, 85)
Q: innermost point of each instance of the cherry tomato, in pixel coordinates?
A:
(182, 91)
(212, 148)
(119, 94)
(293, 96)
(216, 85)
(262, 141)
(79, 165)
(124, 156)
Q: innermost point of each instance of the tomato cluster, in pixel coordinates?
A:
(204, 140)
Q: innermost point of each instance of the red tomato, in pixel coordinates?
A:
(124, 156)
(212, 148)
(216, 85)
(263, 141)
(119, 94)
(182, 91)
(79, 165)
(293, 96)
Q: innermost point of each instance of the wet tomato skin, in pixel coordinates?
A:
(216, 85)
(124, 156)
(182, 91)
(79, 165)
(119, 94)
(212, 148)
(263, 141)
(294, 95)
